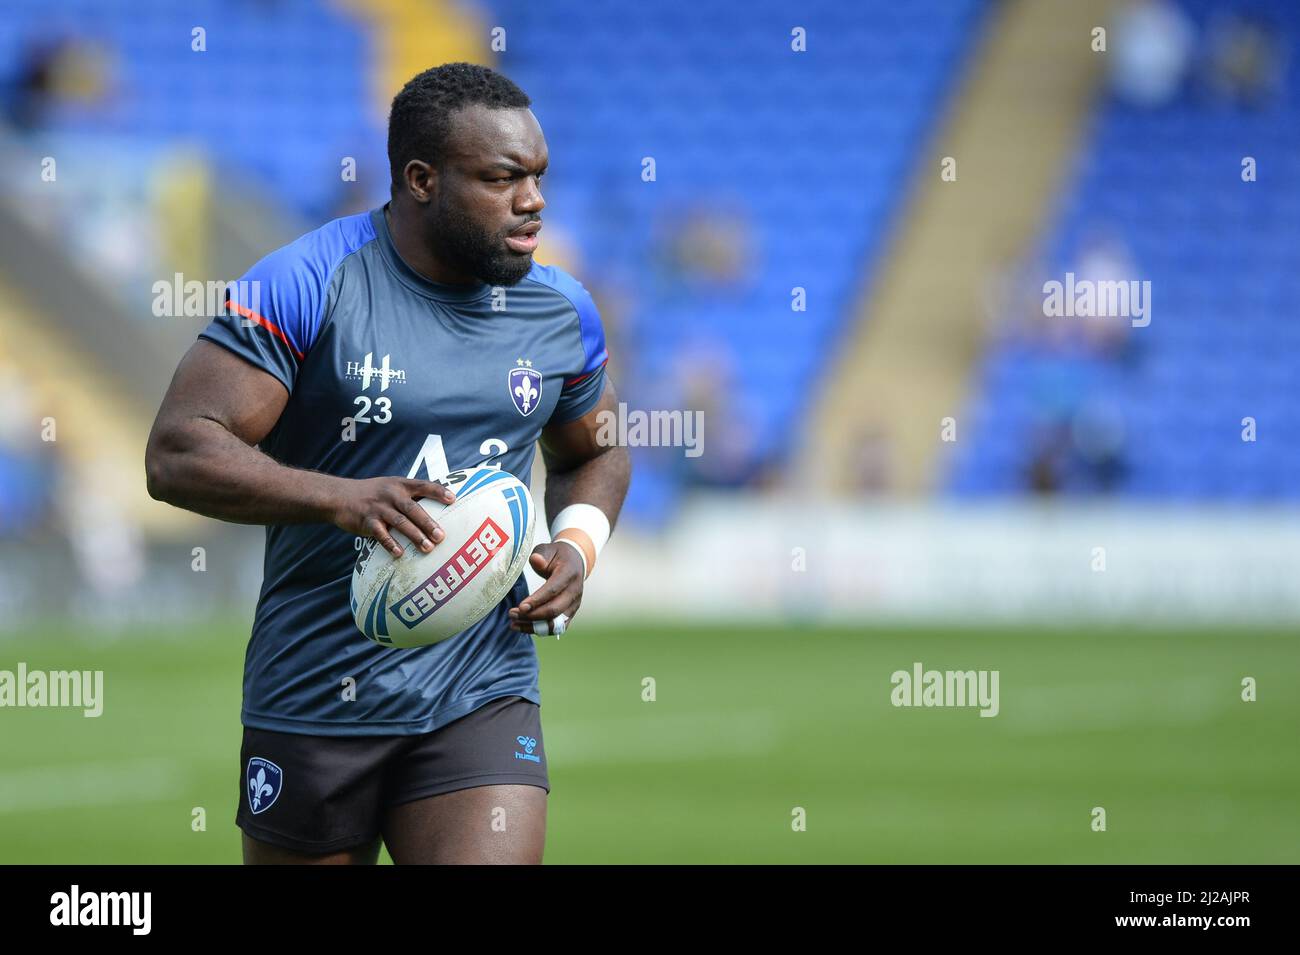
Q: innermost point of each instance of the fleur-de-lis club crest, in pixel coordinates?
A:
(262, 784)
(525, 386)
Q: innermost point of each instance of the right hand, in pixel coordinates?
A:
(372, 507)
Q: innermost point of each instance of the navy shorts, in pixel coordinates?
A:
(318, 794)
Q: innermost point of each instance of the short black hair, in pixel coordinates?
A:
(420, 120)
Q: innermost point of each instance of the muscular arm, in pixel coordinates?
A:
(201, 456)
(578, 470)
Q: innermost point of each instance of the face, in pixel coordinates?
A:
(486, 202)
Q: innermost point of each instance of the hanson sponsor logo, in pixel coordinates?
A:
(366, 371)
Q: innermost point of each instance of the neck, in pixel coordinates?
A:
(403, 227)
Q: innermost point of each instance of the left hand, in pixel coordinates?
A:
(560, 566)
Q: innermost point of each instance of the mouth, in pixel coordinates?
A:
(524, 239)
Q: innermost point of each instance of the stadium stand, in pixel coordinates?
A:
(1158, 411)
(787, 178)
(786, 182)
(281, 109)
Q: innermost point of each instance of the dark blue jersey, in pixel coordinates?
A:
(391, 374)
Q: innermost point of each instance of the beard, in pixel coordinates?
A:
(462, 243)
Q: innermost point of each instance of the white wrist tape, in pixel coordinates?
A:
(551, 628)
(584, 527)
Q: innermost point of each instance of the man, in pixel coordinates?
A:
(350, 369)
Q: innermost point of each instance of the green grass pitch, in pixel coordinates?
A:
(746, 725)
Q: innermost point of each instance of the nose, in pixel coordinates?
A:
(529, 198)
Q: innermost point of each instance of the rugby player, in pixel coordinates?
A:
(349, 369)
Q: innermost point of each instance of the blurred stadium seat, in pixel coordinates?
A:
(733, 149)
(795, 160)
(1164, 183)
(290, 98)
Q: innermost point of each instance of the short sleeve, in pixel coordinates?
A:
(274, 313)
(583, 388)
(271, 315)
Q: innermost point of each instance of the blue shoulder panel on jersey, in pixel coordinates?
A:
(593, 334)
(293, 281)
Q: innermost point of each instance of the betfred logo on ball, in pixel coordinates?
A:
(418, 599)
(463, 567)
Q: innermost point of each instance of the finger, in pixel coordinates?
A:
(566, 602)
(421, 519)
(544, 594)
(556, 579)
(396, 522)
(380, 533)
(431, 489)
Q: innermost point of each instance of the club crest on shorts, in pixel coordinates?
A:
(262, 784)
(525, 386)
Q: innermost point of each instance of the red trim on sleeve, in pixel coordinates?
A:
(584, 377)
(270, 326)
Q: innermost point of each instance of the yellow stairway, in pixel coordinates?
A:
(1012, 128)
(412, 35)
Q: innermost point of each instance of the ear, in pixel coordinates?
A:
(421, 181)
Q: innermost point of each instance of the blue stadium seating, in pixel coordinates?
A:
(813, 148)
(280, 95)
(1221, 255)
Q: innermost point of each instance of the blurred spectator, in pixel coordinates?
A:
(707, 383)
(1103, 258)
(1076, 367)
(709, 248)
(26, 462)
(871, 461)
(55, 73)
(1245, 60)
(107, 544)
(1151, 52)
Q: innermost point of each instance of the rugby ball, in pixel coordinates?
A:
(418, 599)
